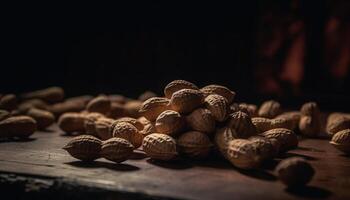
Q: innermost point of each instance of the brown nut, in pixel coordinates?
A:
(4, 114)
(201, 120)
(159, 146)
(89, 122)
(132, 121)
(132, 108)
(127, 131)
(269, 109)
(117, 98)
(8, 102)
(223, 91)
(84, 147)
(116, 149)
(100, 104)
(292, 117)
(294, 172)
(146, 95)
(177, 85)
(250, 109)
(264, 147)
(117, 110)
(43, 118)
(341, 141)
(194, 144)
(152, 107)
(242, 154)
(169, 122)
(51, 94)
(18, 126)
(337, 123)
(149, 129)
(103, 128)
(222, 137)
(310, 121)
(287, 138)
(186, 100)
(67, 106)
(217, 106)
(242, 124)
(72, 122)
(25, 106)
(264, 124)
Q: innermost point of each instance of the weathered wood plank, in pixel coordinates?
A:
(210, 179)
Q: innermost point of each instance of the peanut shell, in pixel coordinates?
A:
(103, 128)
(269, 109)
(194, 144)
(341, 141)
(72, 122)
(201, 120)
(169, 122)
(159, 146)
(177, 85)
(84, 147)
(116, 149)
(242, 124)
(43, 118)
(17, 126)
(217, 106)
(89, 122)
(100, 104)
(152, 107)
(222, 137)
(219, 90)
(287, 138)
(186, 100)
(127, 131)
(51, 94)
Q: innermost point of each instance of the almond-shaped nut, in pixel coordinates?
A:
(149, 129)
(146, 95)
(264, 147)
(341, 141)
(309, 126)
(287, 138)
(269, 109)
(242, 124)
(218, 106)
(8, 102)
(337, 115)
(51, 94)
(152, 107)
(132, 121)
(43, 118)
(310, 109)
(159, 146)
(242, 154)
(84, 147)
(89, 122)
(17, 126)
(177, 85)
(116, 149)
(103, 128)
(293, 118)
(132, 108)
(72, 122)
(169, 122)
(100, 104)
(201, 120)
(194, 144)
(25, 106)
(336, 124)
(223, 91)
(294, 172)
(281, 123)
(4, 114)
(186, 100)
(222, 137)
(127, 131)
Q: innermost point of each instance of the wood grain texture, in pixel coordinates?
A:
(42, 156)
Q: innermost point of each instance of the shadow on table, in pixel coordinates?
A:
(138, 155)
(258, 174)
(19, 140)
(290, 154)
(309, 192)
(178, 164)
(107, 165)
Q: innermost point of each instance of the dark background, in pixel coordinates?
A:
(132, 47)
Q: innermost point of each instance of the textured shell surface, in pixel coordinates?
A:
(242, 124)
(89, 122)
(336, 124)
(177, 85)
(186, 100)
(264, 148)
(269, 109)
(84, 147)
(169, 122)
(242, 154)
(132, 108)
(287, 138)
(103, 128)
(223, 91)
(222, 137)
(132, 121)
(341, 140)
(152, 107)
(194, 144)
(293, 117)
(201, 120)
(159, 146)
(149, 129)
(129, 132)
(218, 106)
(261, 124)
(250, 109)
(116, 149)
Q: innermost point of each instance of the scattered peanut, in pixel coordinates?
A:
(84, 147)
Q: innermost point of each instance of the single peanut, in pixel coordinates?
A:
(159, 146)
(177, 85)
(100, 104)
(186, 100)
(42, 117)
(84, 147)
(152, 107)
(194, 144)
(201, 120)
(218, 106)
(169, 122)
(51, 94)
(18, 126)
(116, 149)
(269, 109)
(223, 91)
(242, 124)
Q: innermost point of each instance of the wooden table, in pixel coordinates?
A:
(40, 167)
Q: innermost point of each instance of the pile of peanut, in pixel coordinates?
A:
(187, 121)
